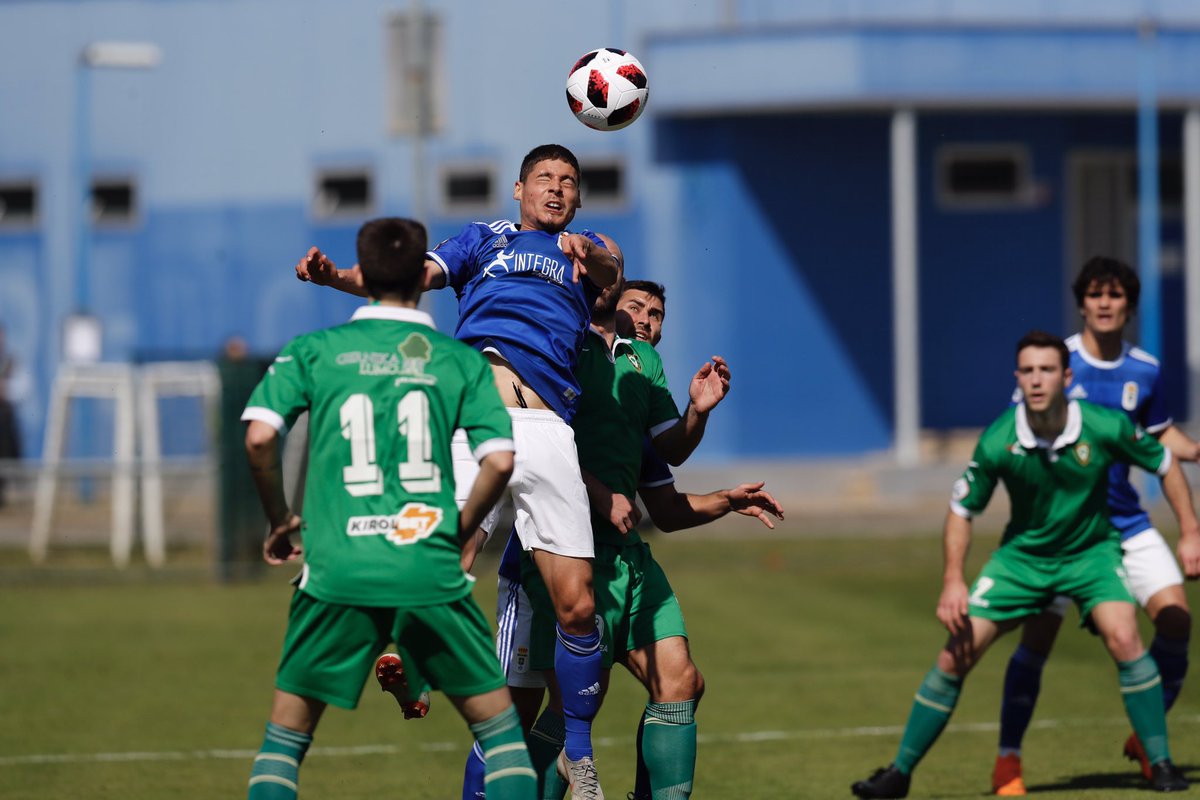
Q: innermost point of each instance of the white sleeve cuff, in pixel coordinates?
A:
(260, 414)
(655, 484)
(959, 510)
(1155, 430)
(435, 258)
(662, 426)
(1166, 463)
(493, 446)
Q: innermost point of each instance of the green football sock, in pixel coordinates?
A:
(1142, 693)
(932, 707)
(276, 771)
(545, 741)
(669, 748)
(508, 774)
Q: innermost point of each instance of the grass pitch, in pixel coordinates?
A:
(811, 648)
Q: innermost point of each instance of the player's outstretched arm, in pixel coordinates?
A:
(316, 267)
(1180, 444)
(672, 510)
(708, 388)
(952, 604)
(494, 471)
(614, 506)
(589, 258)
(1179, 496)
(262, 450)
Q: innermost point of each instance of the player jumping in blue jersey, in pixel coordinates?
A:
(525, 293)
(1110, 372)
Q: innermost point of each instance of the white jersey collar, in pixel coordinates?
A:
(1075, 345)
(394, 314)
(617, 341)
(1069, 435)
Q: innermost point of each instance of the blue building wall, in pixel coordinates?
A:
(771, 230)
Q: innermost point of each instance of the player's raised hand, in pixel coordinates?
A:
(709, 385)
(952, 607)
(315, 267)
(278, 547)
(751, 500)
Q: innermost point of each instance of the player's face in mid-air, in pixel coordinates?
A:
(1041, 377)
(1105, 307)
(549, 196)
(640, 314)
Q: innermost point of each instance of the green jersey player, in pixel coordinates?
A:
(1053, 456)
(383, 534)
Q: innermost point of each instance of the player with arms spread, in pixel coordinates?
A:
(1108, 371)
(1053, 456)
(383, 534)
(525, 293)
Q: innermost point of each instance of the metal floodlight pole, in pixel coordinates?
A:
(97, 55)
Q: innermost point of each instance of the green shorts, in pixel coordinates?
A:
(1013, 585)
(633, 597)
(329, 650)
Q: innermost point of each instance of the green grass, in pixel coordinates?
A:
(811, 649)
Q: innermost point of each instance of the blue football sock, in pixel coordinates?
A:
(577, 668)
(473, 774)
(1171, 655)
(1022, 683)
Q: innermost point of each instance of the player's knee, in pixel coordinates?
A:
(1173, 622)
(576, 616)
(1124, 643)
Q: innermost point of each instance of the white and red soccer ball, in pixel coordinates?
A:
(606, 89)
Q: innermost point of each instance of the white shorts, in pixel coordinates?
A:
(514, 618)
(545, 498)
(1150, 567)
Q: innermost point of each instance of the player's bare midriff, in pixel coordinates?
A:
(514, 391)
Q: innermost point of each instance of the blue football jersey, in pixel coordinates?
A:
(515, 295)
(655, 470)
(1133, 384)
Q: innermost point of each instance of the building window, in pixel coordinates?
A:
(603, 183)
(416, 79)
(468, 188)
(18, 204)
(114, 201)
(344, 193)
(984, 176)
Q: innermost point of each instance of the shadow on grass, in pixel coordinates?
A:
(1108, 780)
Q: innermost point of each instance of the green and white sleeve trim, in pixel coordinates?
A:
(493, 446)
(261, 414)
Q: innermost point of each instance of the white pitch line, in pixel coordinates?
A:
(609, 741)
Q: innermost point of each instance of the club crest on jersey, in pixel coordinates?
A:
(1016, 449)
(1083, 453)
(414, 522)
(1129, 396)
(415, 352)
(633, 359)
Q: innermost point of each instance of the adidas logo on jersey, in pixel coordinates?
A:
(501, 243)
(1077, 392)
(592, 690)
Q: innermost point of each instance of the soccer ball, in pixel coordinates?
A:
(606, 89)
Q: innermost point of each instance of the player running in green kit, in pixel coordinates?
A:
(382, 534)
(1053, 456)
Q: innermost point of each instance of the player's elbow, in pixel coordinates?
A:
(260, 438)
(501, 463)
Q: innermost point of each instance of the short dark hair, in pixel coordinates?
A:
(1043, 339)
(547, 152)
(391, 255)
(649, 287)
(1102, 270)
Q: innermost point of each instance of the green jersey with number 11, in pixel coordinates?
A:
(1059, 489)
(385, 393)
